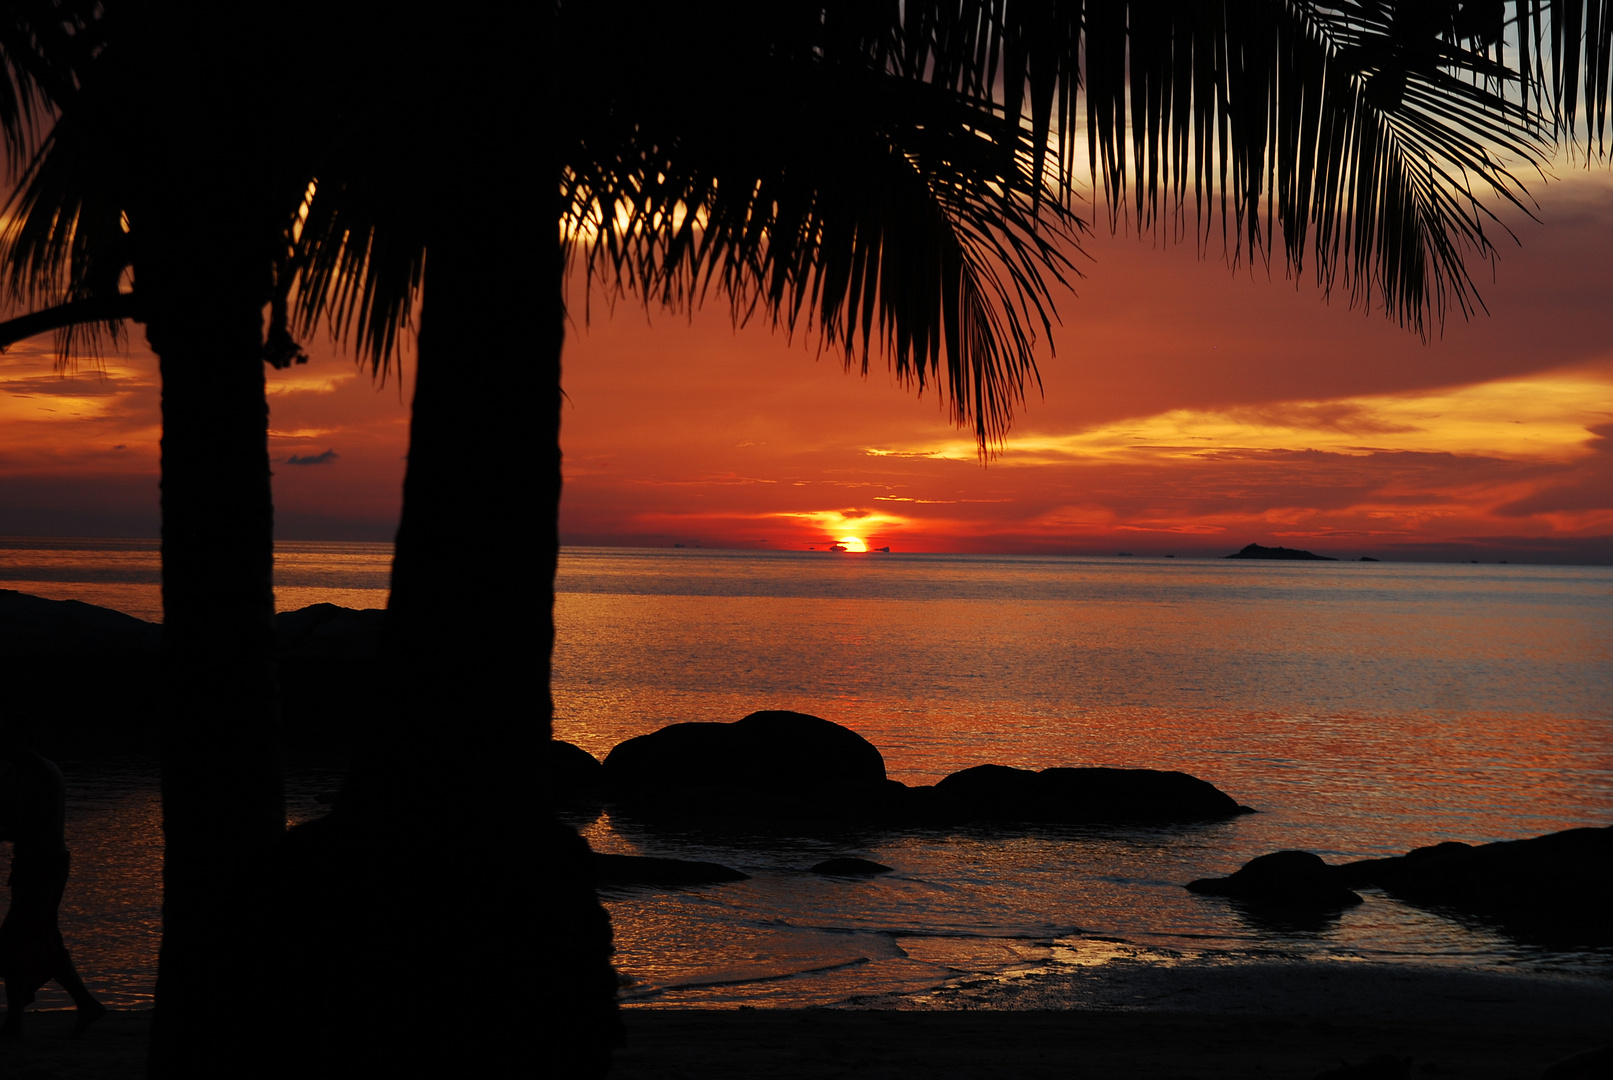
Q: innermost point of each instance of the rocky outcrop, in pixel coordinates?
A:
(773, 747)
(571, 772)
(1093, 796)
(850, 867)
(83, 677)
(1556, 888)
(330, 673)
(784, 765)
(328, 658)
(1284, 881)
(1255, 551)
(618, 871)
(329, 633)
(772, 764)
(33, 627)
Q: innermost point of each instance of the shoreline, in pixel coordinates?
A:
(1272, 1021)
(1342, 991)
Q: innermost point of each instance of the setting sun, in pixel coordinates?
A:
(852, 543)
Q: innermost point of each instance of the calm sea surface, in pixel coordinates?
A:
(1363, 708)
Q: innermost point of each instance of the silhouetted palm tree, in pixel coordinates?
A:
(898, 177)
(865, 170)
(172, 165)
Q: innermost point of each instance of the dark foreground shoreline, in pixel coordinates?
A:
(795, 1045)
(1272, 1022)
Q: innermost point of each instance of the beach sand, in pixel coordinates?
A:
(114, 1049)
(1267, 1021)
(787, 1045)
(1273, 1020)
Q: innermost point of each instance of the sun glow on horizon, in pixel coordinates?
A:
(852, 543)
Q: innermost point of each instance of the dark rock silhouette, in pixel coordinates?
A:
(31, 626)
(1295, 881)
(109, 660)
(790, 766)
(327, 678)
(574, 773)
(1082, 796)
(1557, 888)
(328, 670)
(644, 870)
(850, 867)
(1255, 551)
(772, 763)
(327, 632)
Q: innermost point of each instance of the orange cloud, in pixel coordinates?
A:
(1187, 409)
(1548, 416)
(80, 450)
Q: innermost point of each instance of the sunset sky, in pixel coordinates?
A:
(1188, 409)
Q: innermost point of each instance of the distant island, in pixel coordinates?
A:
(1255, 551)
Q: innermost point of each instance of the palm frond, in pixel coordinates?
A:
(903, 175)
(358, 267)
(43, 44)
(834, 194)
(1565, 63)
(1367, 137)
(66, 239)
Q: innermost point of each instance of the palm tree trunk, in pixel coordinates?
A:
(222, 791)
(446, 872)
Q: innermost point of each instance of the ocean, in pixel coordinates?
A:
(1362, 708)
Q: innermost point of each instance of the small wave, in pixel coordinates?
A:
(709, 984)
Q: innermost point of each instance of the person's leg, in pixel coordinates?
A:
(89, 1010)
(16, 1001)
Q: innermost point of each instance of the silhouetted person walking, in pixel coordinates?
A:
(33, 813)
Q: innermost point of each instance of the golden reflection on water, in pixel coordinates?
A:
(1413, 703)
(111, 913)
(126, 575)
(1362, 709)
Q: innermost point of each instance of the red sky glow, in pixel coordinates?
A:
(1188, 409)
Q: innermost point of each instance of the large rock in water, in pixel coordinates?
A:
(85, 678)
(1095, 796)
(1288, 881)
(36, 628)
(330, 671)
(616, 871)
(771, 764)
(571, 772)
(1556, 888)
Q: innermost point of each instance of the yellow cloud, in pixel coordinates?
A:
(843, 521)
(1545, 417)
(303, 381)
(302, 434)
